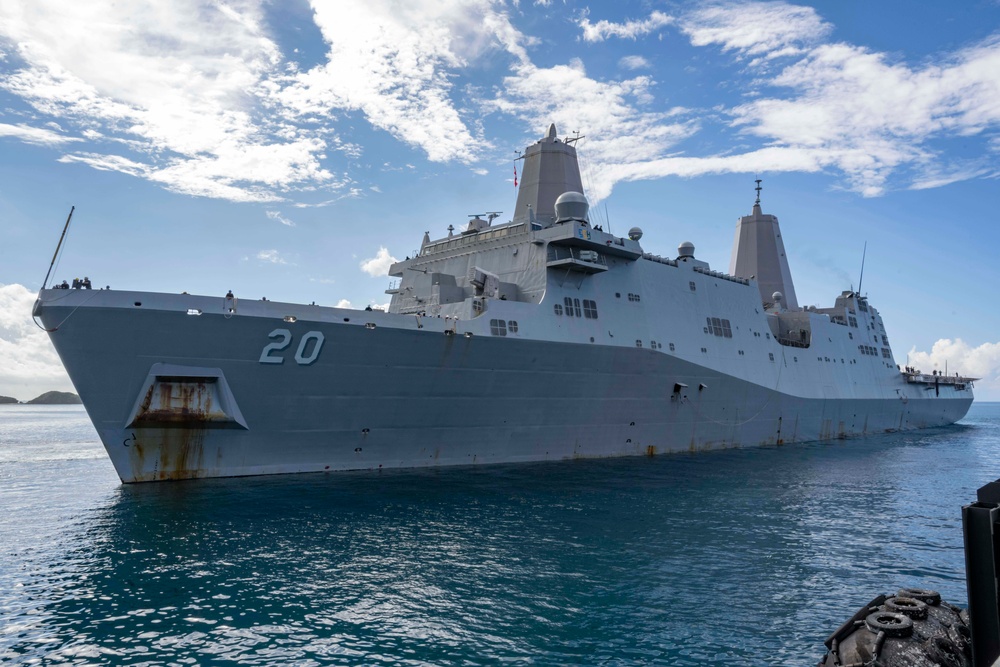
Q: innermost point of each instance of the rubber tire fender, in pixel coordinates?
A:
(912, 607)
(891, 623)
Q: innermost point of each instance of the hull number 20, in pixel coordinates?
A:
(308, 351)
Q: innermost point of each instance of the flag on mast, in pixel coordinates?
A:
(515, 175)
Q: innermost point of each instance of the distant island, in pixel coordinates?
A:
(56, 398)
(48, 398)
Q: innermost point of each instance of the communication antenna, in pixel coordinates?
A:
(758, 189)
(863, 253)
(58, 246)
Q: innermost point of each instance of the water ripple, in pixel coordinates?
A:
(728, 558)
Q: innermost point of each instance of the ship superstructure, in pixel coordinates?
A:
(541, 338)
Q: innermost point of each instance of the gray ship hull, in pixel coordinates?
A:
(213, 393)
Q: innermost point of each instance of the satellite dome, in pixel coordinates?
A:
(571, 206)
(778, 297)
(685, 249)
(635, 233)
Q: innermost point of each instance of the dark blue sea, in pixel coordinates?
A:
(740, 557)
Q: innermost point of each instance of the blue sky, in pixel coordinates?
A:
(290, 150)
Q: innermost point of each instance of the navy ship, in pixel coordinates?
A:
(542, 338)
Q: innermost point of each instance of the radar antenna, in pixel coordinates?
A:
(492, 215)
(758, 189)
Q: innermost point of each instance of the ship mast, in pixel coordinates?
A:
(759, 252)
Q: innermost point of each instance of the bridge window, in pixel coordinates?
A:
(498, 327)
(558, 309)
(590, 309)
(569, 306)
(511, 326)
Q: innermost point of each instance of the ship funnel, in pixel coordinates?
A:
(571, 206)
(550, 169)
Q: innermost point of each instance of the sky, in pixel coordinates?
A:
(291, 150)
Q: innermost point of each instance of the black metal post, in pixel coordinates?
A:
(981, 526)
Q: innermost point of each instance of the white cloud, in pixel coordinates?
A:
(958, 356)
(765, 159)
(344, 303)
(602, 30)
(188, 86)
(379, 264)
(195, 95)
(35, 135)
(618, 133)
(108, 163)
(391, 60)
(29, 365)
(872, 117)
(936, 176)
(842, 107)
(633, 62)
(276, 215)
(271, 256)
(352, 193)
(768, 29)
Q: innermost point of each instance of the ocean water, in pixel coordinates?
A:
(740, 557)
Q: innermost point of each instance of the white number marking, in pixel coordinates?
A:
(300, 356)
(285, 336)
(277, 346)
